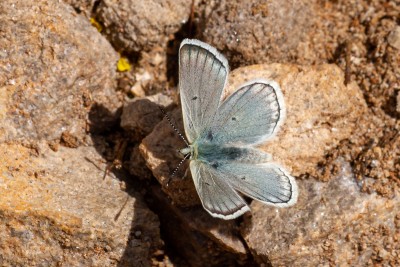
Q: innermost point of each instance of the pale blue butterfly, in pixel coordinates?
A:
(222, 135)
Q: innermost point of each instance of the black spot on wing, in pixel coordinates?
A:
(232, 153)
(215, 165)
(194, 98)
(210, 136)
(233, 118)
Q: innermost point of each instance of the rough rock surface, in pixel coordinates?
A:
(136, 25)
(58, 83)
(141, 115)
(201, 239)
(160, 151)
(259, 32)
(82, 6)
(333, 224)
(57, 76)
(54, 66)
(56, 208)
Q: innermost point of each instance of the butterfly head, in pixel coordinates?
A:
(190, 151)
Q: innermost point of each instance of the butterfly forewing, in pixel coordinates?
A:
(202, 76)
(250, 115)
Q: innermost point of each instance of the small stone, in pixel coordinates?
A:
(137, 90)
(394, 38)
(140, 116)
(138, 234)
(398, 102)
(69, 140)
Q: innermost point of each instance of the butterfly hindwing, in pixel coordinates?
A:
(216, 195)
(266, 182)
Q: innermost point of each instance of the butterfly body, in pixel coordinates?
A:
(214, 154)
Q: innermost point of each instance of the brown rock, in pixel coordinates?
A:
(54, 66)
(137, 165)
(398, 103)
(139, 117)
(259, 31)
(160, 151)
(135, 25)
(394, 38)
(69, 140)
(58, 203)
(82, 6)
(332, 224)
(201, 239)
(151, 72)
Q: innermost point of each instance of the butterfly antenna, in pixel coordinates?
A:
(180, 164)
(173, 127)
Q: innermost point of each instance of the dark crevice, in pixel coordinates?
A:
(184, 245)
(187, 30)
(95, 6)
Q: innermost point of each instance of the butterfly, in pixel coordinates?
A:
(222, 135)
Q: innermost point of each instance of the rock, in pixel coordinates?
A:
(259, 32)
(58, 203)
(321, 111)
(56, 71)
(82, 6)
(144, 32)
(332, 224)
(141, 115)
(134, 25)
(199, 238)
(137, 165)
(398, 103)
(55, 65)
(160, 151)
(394, 38)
